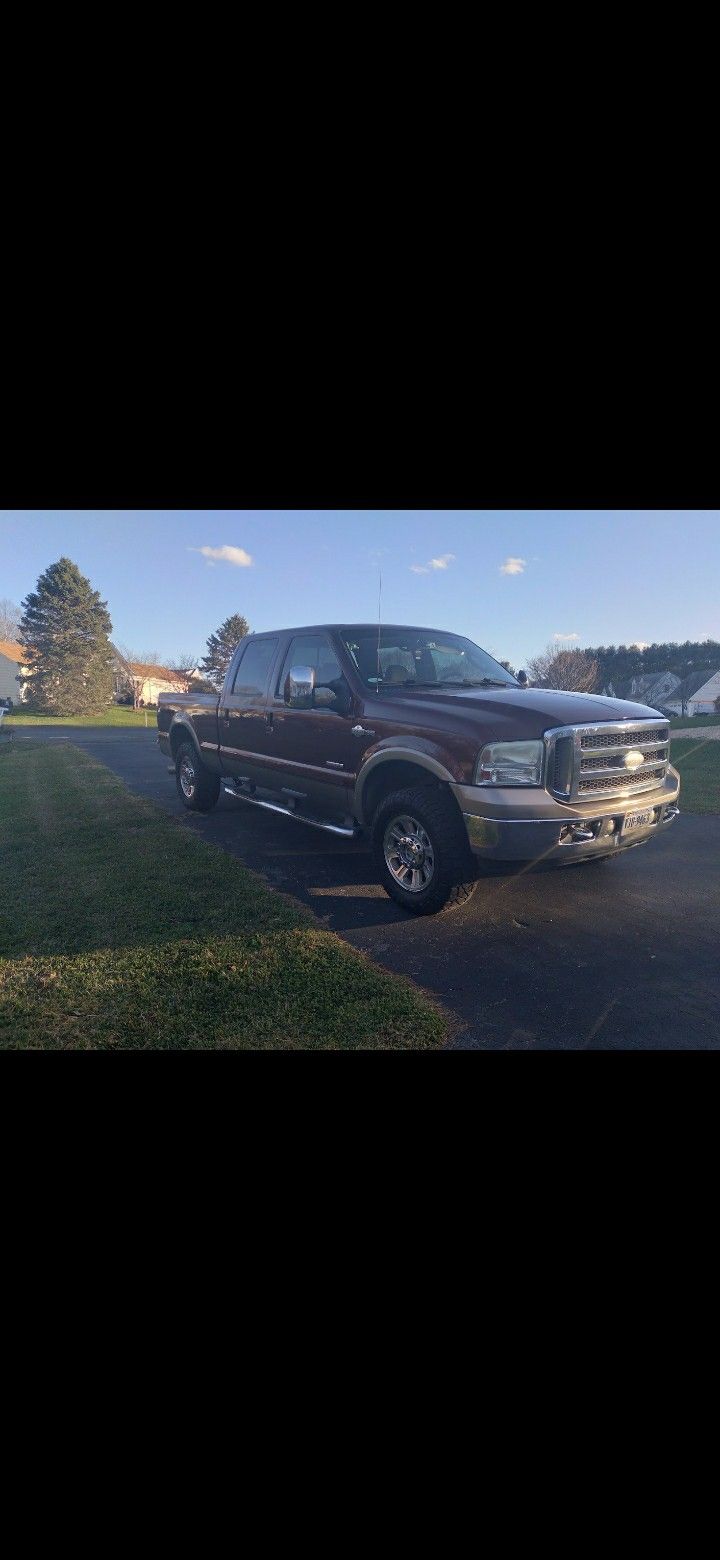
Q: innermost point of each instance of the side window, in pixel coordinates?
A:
(311, 650)
(252, 674)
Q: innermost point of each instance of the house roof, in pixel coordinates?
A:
(690, 685)
(707, 687)
(13, 651)
(655, 680)
(649, 684)
(147, 669)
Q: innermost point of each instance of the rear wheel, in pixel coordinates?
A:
(197, 788)
(421, 851)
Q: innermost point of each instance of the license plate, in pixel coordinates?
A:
(637, 820)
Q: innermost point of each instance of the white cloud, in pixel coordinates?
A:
(434, 563)
(236, 555)
(566, 636)
(513, 566)
(640, 644)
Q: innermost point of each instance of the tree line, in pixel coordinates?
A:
(70, 666)
(619, 663)
(604, 666)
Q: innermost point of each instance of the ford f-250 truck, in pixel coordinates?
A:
(423, 740)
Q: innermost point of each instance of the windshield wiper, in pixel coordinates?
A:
(485, 682)
(452, 682)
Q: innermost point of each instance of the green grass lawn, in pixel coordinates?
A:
(119, 929)
(683, 722)
(698, 764)
(114, 715)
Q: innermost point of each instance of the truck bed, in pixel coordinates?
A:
(200, 708)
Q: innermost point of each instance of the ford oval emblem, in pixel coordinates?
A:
(633, 759)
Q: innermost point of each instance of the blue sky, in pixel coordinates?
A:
(511, 580)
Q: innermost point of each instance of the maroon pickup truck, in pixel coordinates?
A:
(422, 739)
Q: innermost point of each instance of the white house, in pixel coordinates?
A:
(698, 700)
(146, 680)
(149, 681)
(11, 663)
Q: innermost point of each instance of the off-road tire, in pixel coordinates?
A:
(200, 793)
(453, 879)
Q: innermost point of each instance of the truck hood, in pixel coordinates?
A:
(528, 711)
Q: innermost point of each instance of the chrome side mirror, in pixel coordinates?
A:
(299, 687)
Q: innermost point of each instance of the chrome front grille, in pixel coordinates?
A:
(606, 739)
(650, 756)
(641, 780)
(587, 761)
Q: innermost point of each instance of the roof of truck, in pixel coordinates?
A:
(314, 628)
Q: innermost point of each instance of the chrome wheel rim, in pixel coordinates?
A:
(187, 777)
(409, 855)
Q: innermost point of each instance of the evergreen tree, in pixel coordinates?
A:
(222, 647)
(65, 630)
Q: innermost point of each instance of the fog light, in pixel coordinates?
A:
(610, 826)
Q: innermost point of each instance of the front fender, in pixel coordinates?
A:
(414, 750)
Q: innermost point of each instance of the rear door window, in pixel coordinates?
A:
(252, 674)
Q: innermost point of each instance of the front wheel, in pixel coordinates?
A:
(197, 788)
(421, 851)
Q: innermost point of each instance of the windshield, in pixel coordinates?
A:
(421, 658)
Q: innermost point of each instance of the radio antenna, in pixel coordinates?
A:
(379, 619)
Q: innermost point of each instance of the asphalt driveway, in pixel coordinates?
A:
(620, 955)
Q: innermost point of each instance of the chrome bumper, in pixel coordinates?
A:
(549, 831)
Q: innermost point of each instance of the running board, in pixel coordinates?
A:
(288, 812)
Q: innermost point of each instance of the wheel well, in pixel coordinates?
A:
(395, 775)
(177, 735)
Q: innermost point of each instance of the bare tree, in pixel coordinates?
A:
(10, 616)
(573, 670)
(124, 684)
(185, 671)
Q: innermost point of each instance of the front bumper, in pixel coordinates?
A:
(506, 824)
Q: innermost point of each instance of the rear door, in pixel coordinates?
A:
(244, 721)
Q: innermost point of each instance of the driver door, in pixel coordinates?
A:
(314, 750)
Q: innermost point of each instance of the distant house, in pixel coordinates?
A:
(696, 694)
(144, 680)
(11, 663)
(653, 688)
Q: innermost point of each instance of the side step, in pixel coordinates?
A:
(289, 812)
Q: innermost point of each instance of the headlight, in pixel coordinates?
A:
(510, 763)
